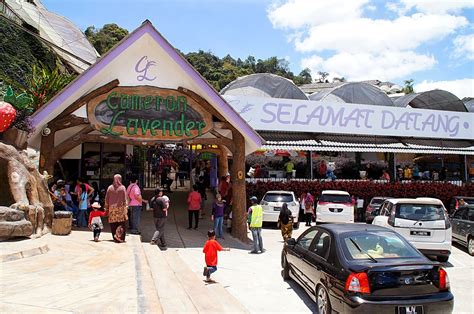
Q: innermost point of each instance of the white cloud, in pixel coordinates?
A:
(403, 33)
(365, 48)
(461, 88)
(363, 66)
(294, 14)
(432, 6)
(464, 46)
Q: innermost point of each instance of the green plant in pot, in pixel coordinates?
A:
(15, 112)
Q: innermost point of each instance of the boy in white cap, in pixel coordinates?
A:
(95, 223)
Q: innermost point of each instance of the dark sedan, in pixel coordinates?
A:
(357, 268)
(462, 221)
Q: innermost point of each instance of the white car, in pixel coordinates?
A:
(424, 222)
(334, 207)
(272, 202)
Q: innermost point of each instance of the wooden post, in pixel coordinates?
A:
(223, 162)
(47, 153)
(239, 203)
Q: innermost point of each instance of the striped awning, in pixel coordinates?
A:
(332, 146)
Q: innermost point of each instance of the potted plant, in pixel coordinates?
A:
(16, 120)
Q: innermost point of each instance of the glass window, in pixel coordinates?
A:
(306, 239)
(469, 201)
(276, 197)
(379, 244)
(377, 201)
(470, 214)
(420, 212)
(335, 198)
(322, 245)
(460, 214)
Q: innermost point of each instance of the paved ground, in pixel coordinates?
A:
(255, 280)
(74, 274)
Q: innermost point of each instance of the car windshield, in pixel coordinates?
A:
(378, 245)
(420, 212)
(335, 198)
(377, 201)
(278, 197)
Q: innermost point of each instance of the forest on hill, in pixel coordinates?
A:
(217, 71)
(20, 51)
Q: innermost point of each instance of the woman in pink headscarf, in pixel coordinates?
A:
(116, 204)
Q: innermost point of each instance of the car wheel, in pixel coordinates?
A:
(286, 270)
(470, 246)
(442, 259)
(296, 225)
(322, 301)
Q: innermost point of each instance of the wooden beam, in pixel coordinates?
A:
(71, 142)
(80, 102)
(109, 139)
(67, 122)
(222, 125)
(217, 134)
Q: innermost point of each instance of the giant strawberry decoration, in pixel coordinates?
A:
(7, 115)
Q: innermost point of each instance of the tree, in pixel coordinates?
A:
(408, 88)
(304, 77)
(105, 38)
(323, 76)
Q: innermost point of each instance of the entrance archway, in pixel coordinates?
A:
(167, 101)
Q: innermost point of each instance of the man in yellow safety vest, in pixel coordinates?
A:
(255, 214)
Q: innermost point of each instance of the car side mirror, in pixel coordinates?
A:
(291, 242)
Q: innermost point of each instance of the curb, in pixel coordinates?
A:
(24, 254)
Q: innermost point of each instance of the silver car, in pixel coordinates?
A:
(272, 202)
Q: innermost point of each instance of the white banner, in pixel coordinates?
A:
(276, 114)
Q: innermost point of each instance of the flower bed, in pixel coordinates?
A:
(366, 189)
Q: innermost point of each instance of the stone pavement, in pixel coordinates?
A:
(74, 274)
(254, 280)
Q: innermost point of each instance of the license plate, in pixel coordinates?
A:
(411, 309)
(335, 210)
(276, 208)
(420, 233)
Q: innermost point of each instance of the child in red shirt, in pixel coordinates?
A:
(210, 250)
(95, 223)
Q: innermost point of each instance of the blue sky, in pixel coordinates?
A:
(430, 41)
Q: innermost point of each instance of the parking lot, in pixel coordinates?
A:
(253, 278)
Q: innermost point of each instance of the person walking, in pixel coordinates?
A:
(159, 205)
(82, 219)
(285, 221)
(116, 205)
(308, 208)
(194, 206)
(255, 214)
(95, 222)
(217, 216)
(289, 166)
(135, 204)
(201, 185)
(210, 250)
